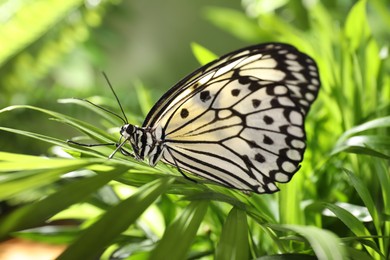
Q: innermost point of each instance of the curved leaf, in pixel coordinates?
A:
(115, 221)
(182, 232)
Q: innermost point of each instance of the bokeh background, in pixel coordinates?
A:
(53, 49)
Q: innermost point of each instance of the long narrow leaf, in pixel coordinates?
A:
(365, 195)
(182, 232)
(115, 221)
(325, 244)
(36, 213)
(233, 243)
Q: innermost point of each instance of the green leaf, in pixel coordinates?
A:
(354, 224)
(34, 172)
(235, 22)
(356, 28)
(87, 103)
(179, 236)
(358, 254)
(370, 125)
(115, 221)
(288, 257)
(290, 211)
(36, 213)
(202, 54)
(233, 243)
(364, 194)
(325, 244)
(18, 36)
(365, 144)
(86, 128)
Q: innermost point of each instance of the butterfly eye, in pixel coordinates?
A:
(123, 131)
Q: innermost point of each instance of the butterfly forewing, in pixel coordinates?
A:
(239, 121)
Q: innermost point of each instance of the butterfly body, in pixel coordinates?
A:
(146, 142)
(238, 121)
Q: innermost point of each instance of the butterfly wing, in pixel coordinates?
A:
(239, 120)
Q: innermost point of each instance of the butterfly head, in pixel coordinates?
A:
(131, 133)
(127, 131)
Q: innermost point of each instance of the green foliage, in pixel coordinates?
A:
(336, 206)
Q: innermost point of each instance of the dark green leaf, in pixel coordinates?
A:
(233, 243)
(115, 221)
(179, 236)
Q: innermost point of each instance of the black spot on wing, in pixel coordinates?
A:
(256, 103)
(205, 96)
(268, 120)
(184, 113)
(260, 158)
(267, 140)
(235, 92)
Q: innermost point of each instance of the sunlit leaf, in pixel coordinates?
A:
(15, 31)
(115, 221)
(325, 244)
(36, 213)
(356, 26)
(202, 54)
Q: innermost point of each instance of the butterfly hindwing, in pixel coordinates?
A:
(239, 121)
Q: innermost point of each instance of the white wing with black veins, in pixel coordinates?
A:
(239, 121)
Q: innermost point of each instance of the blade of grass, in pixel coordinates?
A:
(96, 100)
(366, 197)
(373, 124)
(233, 243)
(356, 26)
(36, 213)
(289, 206)
(325, 244)
(182, 232)
(115, 221)
(354, 224)
(86, 128)
(34, 172)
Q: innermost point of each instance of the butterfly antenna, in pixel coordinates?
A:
(116, 97)
(104, 109)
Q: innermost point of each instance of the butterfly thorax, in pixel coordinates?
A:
(146, 142)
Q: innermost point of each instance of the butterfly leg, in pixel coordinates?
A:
(123, 151)
(126, 153)
(88, 145)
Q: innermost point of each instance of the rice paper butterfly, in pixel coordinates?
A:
(237, 121)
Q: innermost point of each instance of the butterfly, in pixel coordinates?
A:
(237, 121)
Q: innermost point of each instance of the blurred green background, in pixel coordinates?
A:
(52, 50)
(337, 205)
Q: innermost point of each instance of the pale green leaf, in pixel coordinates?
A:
(202, 54)
(325, 244)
